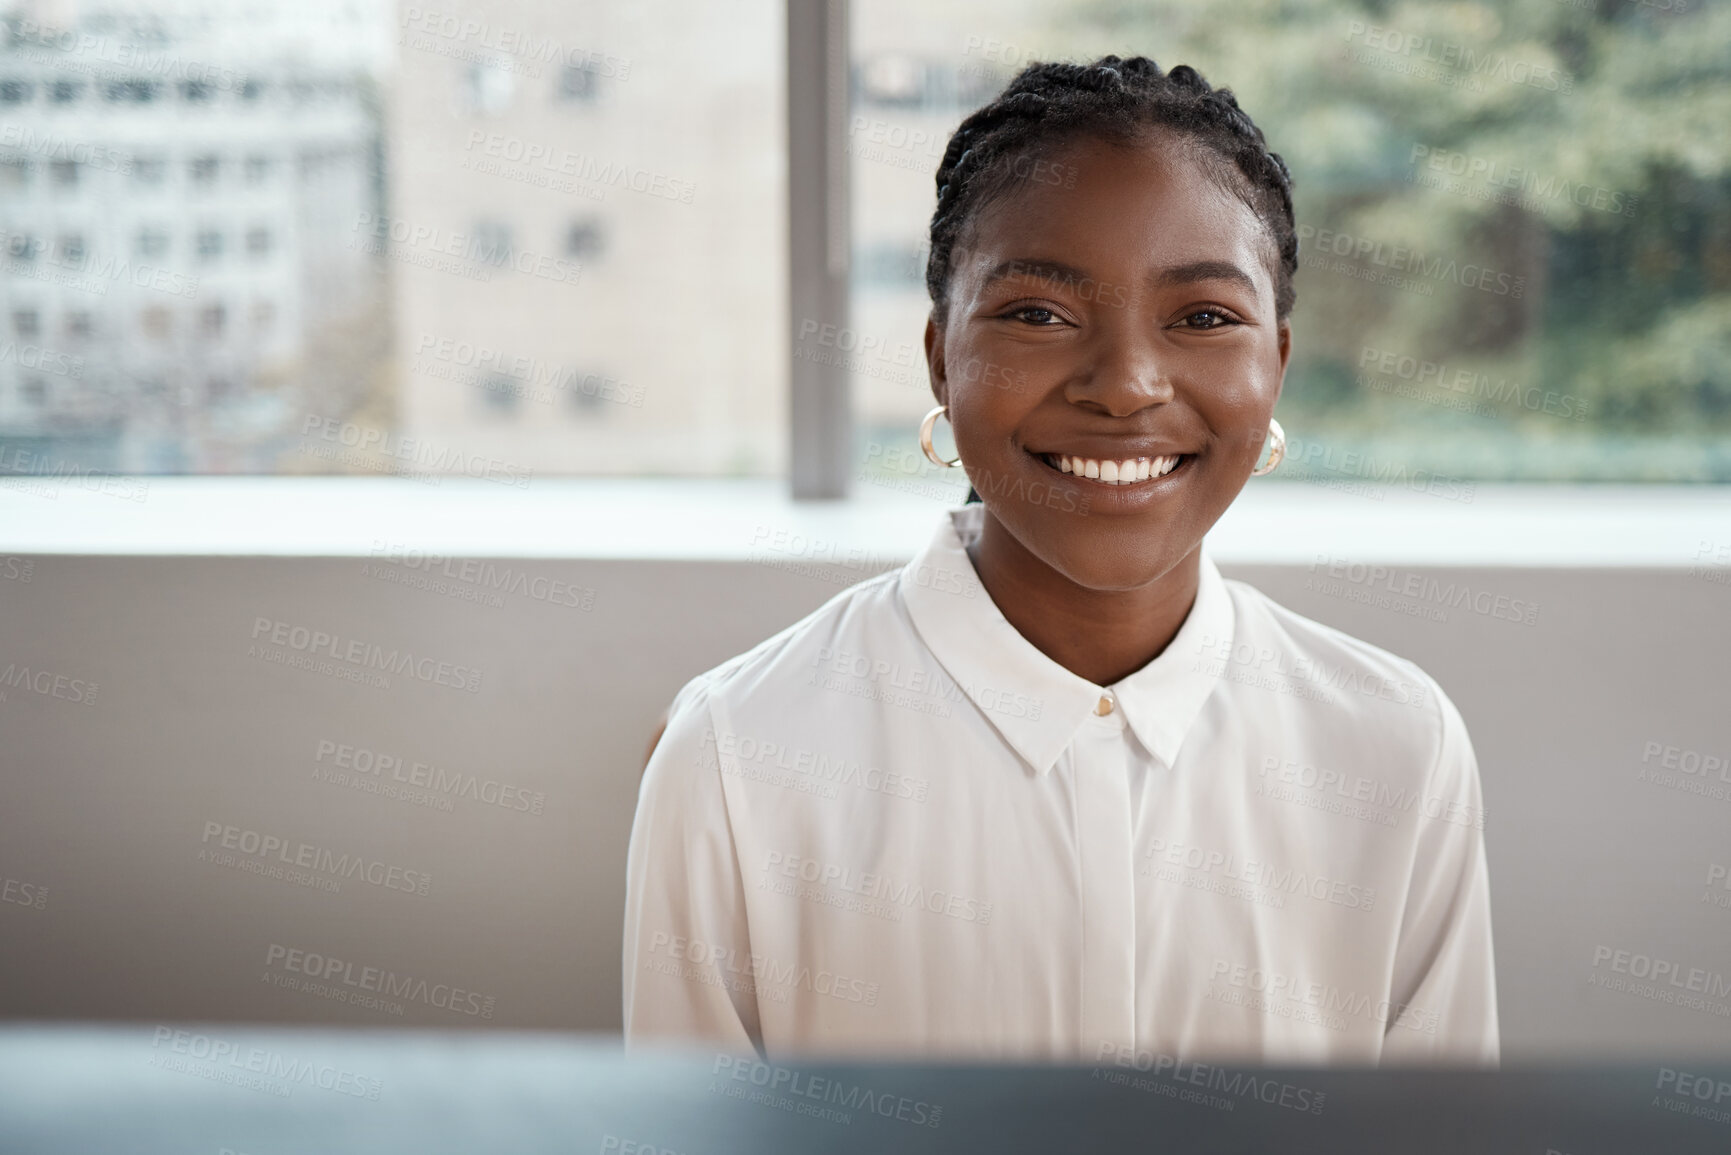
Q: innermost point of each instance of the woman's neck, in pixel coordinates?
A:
(1100, 635)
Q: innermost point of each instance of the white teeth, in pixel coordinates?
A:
(1116, 472)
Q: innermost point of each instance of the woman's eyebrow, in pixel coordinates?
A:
(1020, 268)
(1203, 271)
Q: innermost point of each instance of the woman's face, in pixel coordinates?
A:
(1117, 304)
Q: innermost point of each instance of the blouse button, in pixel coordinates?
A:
(1104, 705)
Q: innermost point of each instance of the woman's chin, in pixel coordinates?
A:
(1101, 557)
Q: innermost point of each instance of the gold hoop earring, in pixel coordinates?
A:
(1275, 454)
(926, 445)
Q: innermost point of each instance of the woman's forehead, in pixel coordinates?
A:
(1135, 210)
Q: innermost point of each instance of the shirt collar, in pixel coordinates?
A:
(1033, 702)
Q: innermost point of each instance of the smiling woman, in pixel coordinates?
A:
(1057, 789)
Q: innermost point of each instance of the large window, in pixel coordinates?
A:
(513, 241)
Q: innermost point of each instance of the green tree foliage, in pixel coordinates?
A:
(1515, 219)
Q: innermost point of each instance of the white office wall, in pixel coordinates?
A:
(107, 804)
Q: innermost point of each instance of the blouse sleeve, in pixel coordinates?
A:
(1443, 999)
(687, 972)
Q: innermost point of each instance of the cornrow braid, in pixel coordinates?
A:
(1119, 99)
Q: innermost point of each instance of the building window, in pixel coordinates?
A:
(211, 320)
(500, 393)
(209, 244)
(23, 247)
(492, 242)
(65, 91)
(579, 85)
(587, 391)
(203, 169)
(258, 241)
(129, 91)
(585, 239)
(80, 325)
(488, 86)
(195, 91)
(64, 172)
(152, 242)
(251, 90)
(16, 91)
(149, 169)
(158, 322)
(26, 322)
(257, 169)
(71, 246)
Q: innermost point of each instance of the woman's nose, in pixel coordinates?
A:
(1122, 372)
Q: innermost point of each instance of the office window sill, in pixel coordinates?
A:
(1270, 523)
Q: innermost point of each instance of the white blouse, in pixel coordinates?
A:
(898, 828)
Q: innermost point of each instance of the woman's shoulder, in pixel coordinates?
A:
(1271, 619)
(1373, 683)
(865, 616)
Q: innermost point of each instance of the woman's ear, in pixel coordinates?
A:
(935, 360)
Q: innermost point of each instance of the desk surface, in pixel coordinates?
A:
(219, 1088)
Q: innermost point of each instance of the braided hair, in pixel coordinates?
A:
(1119, 100)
